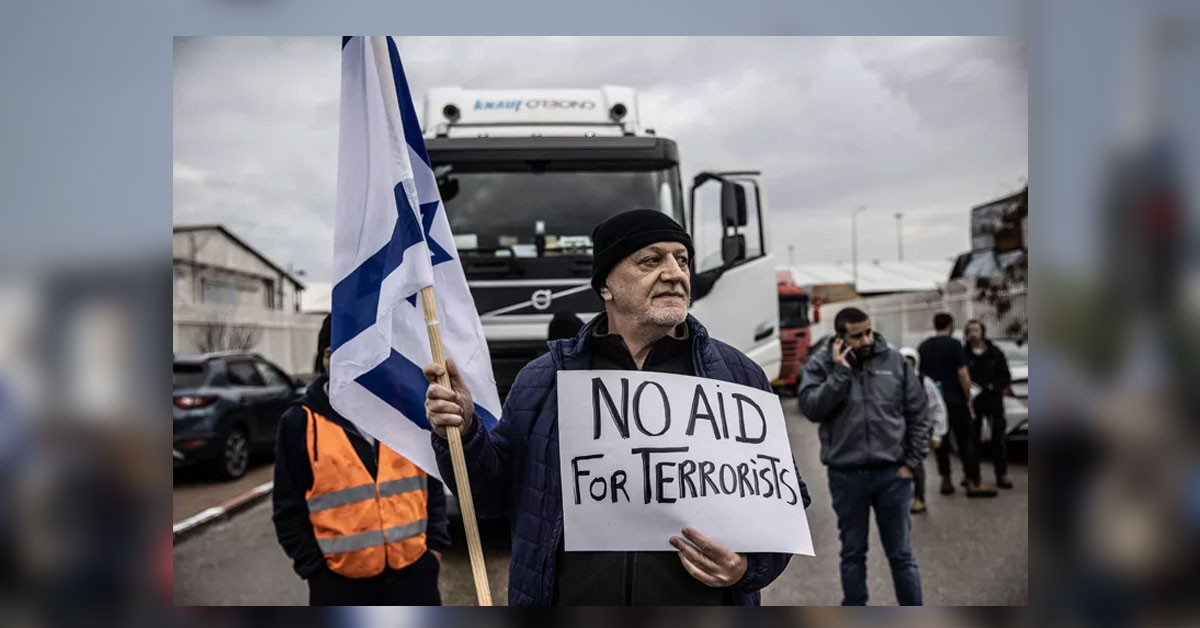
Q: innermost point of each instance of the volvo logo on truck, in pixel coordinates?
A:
(541, 299)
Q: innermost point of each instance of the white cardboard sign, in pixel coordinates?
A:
(643, 454)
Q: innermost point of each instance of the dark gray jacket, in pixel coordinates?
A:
(870, 415)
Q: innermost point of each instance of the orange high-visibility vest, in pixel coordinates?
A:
(363, 524)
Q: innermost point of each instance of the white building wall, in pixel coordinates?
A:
(209, 257)
(243, 287)
(288, 339)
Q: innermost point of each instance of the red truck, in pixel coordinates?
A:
(793, 330)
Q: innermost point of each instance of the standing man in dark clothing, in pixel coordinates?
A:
(563, 325)
(874, 432)
(641, 271)
(362, 524)
(945, 362)
(989, 370)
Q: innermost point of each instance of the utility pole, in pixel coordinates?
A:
(854, 242)
(899, 236)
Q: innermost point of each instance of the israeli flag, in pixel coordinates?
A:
(392, 238)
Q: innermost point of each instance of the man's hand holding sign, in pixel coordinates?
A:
(640, 462)
(707, 560)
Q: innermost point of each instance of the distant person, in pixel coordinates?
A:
(564, 325)
(936, 410)
(945, 362)
(361, 523)
(874, 434)
(989, 370)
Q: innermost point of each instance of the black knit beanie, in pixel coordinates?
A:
(625, 233)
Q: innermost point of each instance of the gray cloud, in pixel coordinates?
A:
(924, 126)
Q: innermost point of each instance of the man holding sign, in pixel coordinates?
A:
(641, 271)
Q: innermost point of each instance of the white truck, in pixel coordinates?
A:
(526, 175)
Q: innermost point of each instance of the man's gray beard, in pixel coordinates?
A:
(660, 318)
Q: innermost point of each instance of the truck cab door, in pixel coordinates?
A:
(733, 275)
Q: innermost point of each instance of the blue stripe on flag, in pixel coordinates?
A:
(412, 128)
(407, 232)
(402, 385)
(356, 297)
(437, 254)
(356, 300)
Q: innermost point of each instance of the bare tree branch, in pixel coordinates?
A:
(217, 335)
(209, 336)
(243, 337)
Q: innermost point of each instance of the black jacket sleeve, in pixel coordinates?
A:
(1004, 375)
(437, 533)
(293, 478)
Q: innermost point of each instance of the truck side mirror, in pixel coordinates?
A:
(733, 248)
(733, 205)
(716, 217)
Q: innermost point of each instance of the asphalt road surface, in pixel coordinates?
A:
(969, 551)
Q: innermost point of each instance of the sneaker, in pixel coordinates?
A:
(979, 490)
(1003, 483)
(947, 486)
(917, 507)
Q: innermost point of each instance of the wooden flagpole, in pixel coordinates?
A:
(465, 503)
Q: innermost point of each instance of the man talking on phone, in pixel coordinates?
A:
(870, 405)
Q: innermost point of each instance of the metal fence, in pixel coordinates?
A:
(906, 319)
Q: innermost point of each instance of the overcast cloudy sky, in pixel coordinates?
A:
(924, 126)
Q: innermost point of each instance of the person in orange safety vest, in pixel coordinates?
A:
(361, 523)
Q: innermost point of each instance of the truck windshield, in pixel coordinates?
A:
(496, 212)
(793, 311)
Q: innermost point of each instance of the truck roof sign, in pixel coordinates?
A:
(609, 110)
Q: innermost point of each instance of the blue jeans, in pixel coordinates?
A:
(854, 493)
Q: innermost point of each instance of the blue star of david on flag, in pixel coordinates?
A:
(391, 239)
(437, 254)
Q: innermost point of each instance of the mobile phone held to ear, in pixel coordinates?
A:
(840, 345)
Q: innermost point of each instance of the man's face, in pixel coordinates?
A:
(325, 358)
(974, 332)
(652, 286)
(860, 337)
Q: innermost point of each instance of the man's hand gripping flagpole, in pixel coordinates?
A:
(454, 437)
